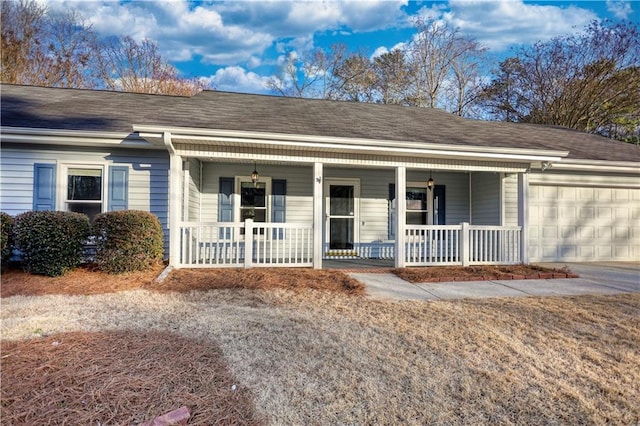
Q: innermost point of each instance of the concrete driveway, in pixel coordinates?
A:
(595, 278)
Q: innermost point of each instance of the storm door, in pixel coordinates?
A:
(342, 213)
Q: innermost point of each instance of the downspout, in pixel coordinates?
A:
(175, 167)
(200, 185)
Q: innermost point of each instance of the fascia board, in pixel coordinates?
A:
(598, 165)
(205, 136)
(73, 137)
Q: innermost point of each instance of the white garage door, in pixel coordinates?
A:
(571, 223)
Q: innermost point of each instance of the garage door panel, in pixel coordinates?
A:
(549, 232)
(586, 212)
(586, 194)
(574, 223)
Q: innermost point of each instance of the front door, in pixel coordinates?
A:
(341, 203)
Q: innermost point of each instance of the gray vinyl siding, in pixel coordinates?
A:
(456, 195)
(148, 176)
(193, 208)
(485, 204)
(299, 197)
(374, 193)
(510, 199)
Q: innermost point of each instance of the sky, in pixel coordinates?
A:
(237, 45)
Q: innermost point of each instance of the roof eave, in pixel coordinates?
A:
(74, 138)
(356, 145)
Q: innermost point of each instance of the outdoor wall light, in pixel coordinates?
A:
(430, 183)
(255, 176)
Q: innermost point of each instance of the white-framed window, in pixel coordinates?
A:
(253, 200)
(419, 205)
(84, 188)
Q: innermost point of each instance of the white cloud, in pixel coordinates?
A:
(383, 49)
(232, 33)
(237, 79)
(500, 23)
(620, 8)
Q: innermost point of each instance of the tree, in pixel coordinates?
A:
(45, 49)
(444, 67)
(307, 75)
(126, 65)
(589, 81)
(354, 80)
(392, 72)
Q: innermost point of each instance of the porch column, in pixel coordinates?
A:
(175, 200)
(318, 215)
(401, 215)
(523, 215)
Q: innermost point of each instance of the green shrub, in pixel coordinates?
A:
(51, 242)
(128, 240)
(6, 241)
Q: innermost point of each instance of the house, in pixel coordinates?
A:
(253, 180)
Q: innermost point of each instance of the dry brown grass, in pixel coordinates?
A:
(118, 378)
(318, 357)
(324, 357)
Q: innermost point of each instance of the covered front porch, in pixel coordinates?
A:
(251, 200)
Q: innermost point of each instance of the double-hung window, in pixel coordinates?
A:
(418, 205)
(84, 190)
(254, 200)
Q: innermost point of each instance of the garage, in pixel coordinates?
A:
(583, 223)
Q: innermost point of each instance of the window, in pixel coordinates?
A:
(417, 206)
(84, 191)
(254, 200)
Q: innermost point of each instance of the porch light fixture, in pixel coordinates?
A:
(430, 183)
(255, 176)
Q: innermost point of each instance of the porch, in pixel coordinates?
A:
(252, 199)
(220, 244)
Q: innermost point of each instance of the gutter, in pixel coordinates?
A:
(357, 145)
(74, 137)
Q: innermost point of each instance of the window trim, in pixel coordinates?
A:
(430, 211)
(63, 178)
(237, 196)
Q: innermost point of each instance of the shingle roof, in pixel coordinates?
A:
(73, 109)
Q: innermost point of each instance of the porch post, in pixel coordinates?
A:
(175, 203)
(318, 179)
(523, 215)
(401, 215)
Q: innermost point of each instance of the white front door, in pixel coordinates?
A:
(341, 212)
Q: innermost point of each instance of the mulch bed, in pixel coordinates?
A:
(118, 377)
(296, 279)
(479, 273)
(85, 280)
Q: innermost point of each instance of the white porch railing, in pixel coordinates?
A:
(217, 244)
(494, 245)
(464, 244)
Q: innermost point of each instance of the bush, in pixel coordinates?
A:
(51, 242)
(128, 240)
(6, 241)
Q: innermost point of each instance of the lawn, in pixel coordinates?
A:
(313, 356)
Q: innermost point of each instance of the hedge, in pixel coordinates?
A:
(51, 242)
(128, 240)
(6, 241)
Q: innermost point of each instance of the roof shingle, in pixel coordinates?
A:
(74, 109)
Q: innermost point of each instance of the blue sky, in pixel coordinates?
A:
(236, 45)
